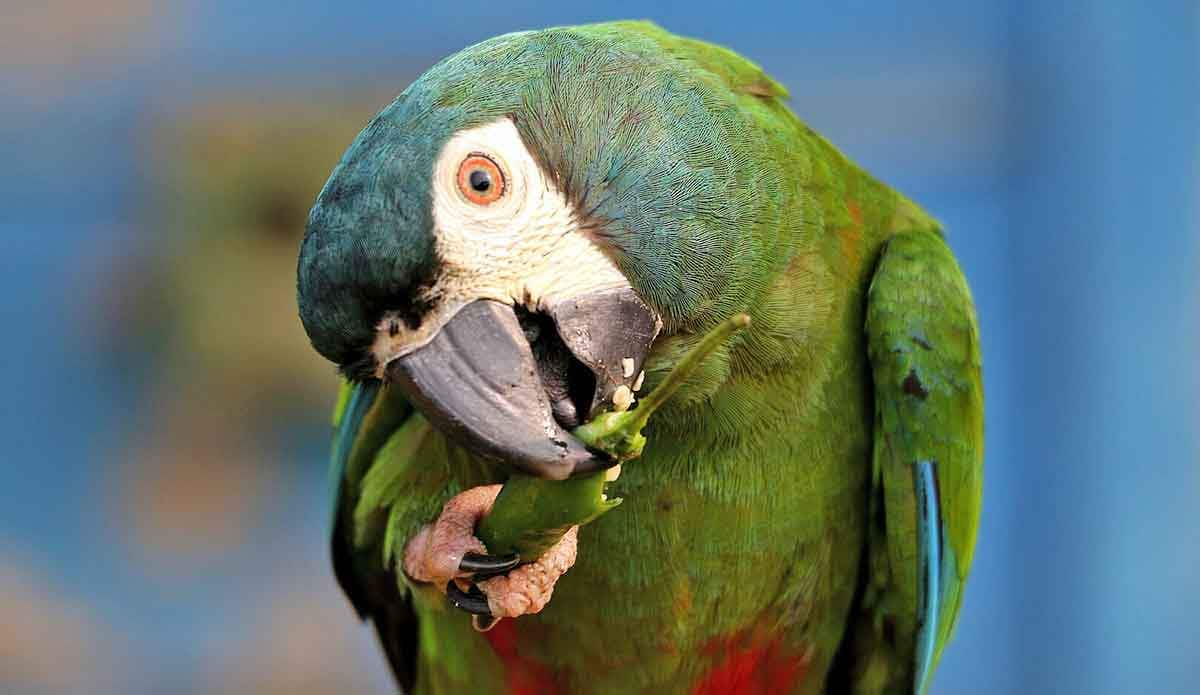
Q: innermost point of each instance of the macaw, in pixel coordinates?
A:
(536, 231)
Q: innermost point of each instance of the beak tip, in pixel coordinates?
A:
(573, 459)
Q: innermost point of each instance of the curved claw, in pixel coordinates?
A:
(484, 566)
(473, 602)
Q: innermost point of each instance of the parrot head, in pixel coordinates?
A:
(505, 240)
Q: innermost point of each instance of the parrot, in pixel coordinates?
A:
(532, 235)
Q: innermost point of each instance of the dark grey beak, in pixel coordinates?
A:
(498, 385)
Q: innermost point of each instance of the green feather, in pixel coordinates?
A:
(531, 514)
(771, 504)
(924, 347)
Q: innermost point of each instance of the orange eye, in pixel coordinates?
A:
(480, 179)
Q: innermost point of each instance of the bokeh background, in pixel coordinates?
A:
(163, 427)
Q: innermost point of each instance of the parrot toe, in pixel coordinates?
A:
(447, 549)
(447, 554)
(528, 588)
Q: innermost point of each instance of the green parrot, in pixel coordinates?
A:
(538, 230)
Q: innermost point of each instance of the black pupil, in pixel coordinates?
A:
(481, 181)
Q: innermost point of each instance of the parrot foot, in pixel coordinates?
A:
(527, 589)
(447, 554)
(448, 549)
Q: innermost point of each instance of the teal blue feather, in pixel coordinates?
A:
(650, 171)
(362, 397)
(929, 530)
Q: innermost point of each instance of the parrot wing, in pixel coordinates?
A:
(374, 424)
(927, 473)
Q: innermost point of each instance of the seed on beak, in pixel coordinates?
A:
(622, 398)
(627, 366)
(637, 385)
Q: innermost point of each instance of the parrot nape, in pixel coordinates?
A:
(546, 220)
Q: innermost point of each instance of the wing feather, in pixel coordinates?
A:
(923, 344)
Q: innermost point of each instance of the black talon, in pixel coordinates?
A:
(484, 566)
(474, 602)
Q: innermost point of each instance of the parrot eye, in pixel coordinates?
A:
(480, 179)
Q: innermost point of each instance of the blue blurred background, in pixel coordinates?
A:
(164, 424)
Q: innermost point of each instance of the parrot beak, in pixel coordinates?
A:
(507, 387)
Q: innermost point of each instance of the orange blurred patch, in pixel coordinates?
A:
(50, 47)
(304, 641)
(193, 491)
(50, 642)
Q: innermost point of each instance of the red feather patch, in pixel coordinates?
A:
(752, 663)
(525, 676)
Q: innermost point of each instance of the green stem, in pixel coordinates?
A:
(531, 514)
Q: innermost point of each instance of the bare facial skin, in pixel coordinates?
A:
(521, 245)
(525, 248)
(434, 553)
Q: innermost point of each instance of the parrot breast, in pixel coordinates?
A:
(524, 675)
(748, 662)
(753, 663)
